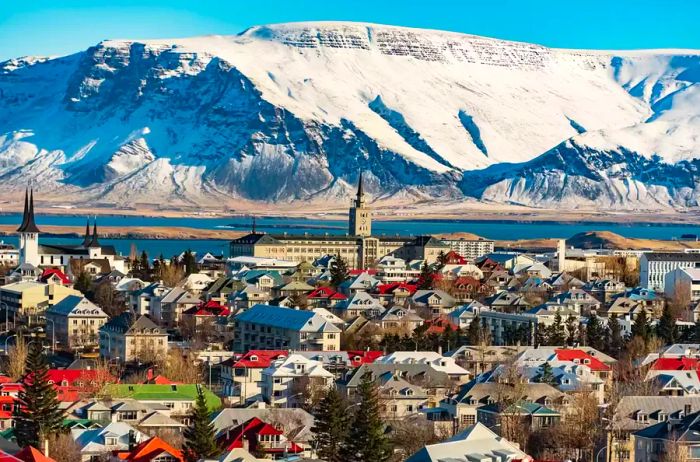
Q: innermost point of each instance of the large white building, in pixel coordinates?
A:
(654, 266)
(60, 256)
(683, 284)
(471, 249)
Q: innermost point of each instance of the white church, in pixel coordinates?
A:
(34, 257)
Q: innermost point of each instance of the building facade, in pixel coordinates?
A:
(75, 321)
(653, 267)
(125, 339)
(471, 249)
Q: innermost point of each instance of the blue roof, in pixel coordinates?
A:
(276, 316)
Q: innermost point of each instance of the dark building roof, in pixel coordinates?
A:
(684, 430)
(94, 242)
(672, 256)
(86, 239)
(28, 224)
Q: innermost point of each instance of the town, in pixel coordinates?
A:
(349, 347)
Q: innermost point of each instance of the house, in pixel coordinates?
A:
(395, 293)
(651, 444)
(454, 271)
(262, 438)
(75, 321)
(360, 303)
(151, 450)
(168, 308)
(72, 384)
(288, 380)
(140, 300)
(324, 297)
(54, 276)
(434, 301)
(29, 454)
(272, 327)
(475, 443)
(577, 300)
(604, 289)
(242, 376)
(127, 339)
(196, 283)
(534, 416)
(683, 284)
(363, 282)
(178, 399)
(98, 442)
(439, 325)
(398, 319)
(466, 288)
(462, 315)
(435, 360)
(507, 302)
(634, 413)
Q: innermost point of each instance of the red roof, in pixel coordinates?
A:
(676, 364)
(48, 272)
(325, 292)
(466, 280)
(360, 357)
(439, 324)
(7, 404)
(392, 286)
(149, 450)
(453, 258)
(5, 379)
(210, 308)
(70, 383)
(259, 358)
(30, 454)
(250, 431)
(5, 457)
(570, 354)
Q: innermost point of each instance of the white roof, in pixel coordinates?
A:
(287, 367)
(436, 360)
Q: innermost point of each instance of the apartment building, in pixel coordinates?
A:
(471, 249)
(75, 321)
(30, 298)
(127, 339)
(654, 266)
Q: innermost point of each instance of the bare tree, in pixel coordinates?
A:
(63, 447)
(17, 358)
(181, 366)
(170, 273)
(311, 389)
(410, 435)
(674, 451)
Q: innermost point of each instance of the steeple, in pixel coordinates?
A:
(94, 242)
(360, 191)
(86, 239)
(28, 224)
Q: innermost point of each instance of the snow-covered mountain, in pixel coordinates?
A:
(293, 112)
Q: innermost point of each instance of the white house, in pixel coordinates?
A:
(287, 381)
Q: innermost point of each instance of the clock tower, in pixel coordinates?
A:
(360, 223)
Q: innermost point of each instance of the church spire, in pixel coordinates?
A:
(360, 189)
(86, 239)
(94, 242)
(28, 224)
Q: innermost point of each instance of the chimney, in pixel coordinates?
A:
(687, 409)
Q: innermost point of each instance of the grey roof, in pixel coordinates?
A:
(656, 408)
(483, 392)
(124, 323)
(77, 306)
(299, 419)
(685, 430)
(424, 374)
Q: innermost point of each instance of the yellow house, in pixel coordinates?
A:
(29, 298)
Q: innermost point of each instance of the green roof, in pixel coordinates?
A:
(155, 392)
(86, 423)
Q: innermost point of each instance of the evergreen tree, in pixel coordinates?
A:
(557, 333)
(189, 262)
(425, 280)
(144, 266)
(450, 337)
(200, 436)
(667, 329)
(571, 330)
(339, 271)
(474, 331)
(547, 376)
(83, 283)
(441, 259)
(331, 426)
(616, 342)
(37, 415)
(366, 441)
(595, 333)
(640, 327)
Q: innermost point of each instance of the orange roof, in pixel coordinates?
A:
(30, 454)
(149, 450)
(570, 354)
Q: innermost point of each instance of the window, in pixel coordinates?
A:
(111, 441)
(468, 419)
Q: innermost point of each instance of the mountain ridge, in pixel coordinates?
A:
(292, 112)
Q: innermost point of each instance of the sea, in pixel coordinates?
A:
(497, 230)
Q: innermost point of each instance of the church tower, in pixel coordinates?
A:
(28, 233)
(360, 223)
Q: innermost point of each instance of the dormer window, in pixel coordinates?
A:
(253, 358)
(662, 417)
(642, 417)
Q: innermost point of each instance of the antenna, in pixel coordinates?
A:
(253, 224)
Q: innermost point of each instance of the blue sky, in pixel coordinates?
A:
(42, 27)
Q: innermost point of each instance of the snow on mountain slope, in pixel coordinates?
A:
(293, 112)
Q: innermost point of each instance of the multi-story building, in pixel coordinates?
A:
(471, 249)
(669, 440)
(359, 248)
(683, 284)
(271, 327)
(653, 267)
(31, 298)
(75, 321)
(125, 339)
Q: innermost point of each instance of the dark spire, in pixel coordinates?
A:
(26, 210)
(28, 224)
(94, 242)
(253, 224)
(360, 191)
(86, 239)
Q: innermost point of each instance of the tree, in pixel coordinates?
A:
(571, 330)
(616, 342)
(640, 327)
(667, 329)
(200, 436)
(37, 415)
(144, 266)
(546, 376)
(474, 331)
(331, 426)
(366, 441)
(17, 359)
(409, 435)
(595, 333)
(427, 274)
(83, 283)
(63, 447)
(104, 296)
(180, 366)
(170, 273)
(189, 262)
(339, 271)
(557, 334)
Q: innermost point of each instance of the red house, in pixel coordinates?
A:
(70, 384)
(258, 436)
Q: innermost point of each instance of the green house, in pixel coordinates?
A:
(180, 398)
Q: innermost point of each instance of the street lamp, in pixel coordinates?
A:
(7, 339)
(601, 450)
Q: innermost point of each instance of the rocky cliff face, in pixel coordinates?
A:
(294, 112)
